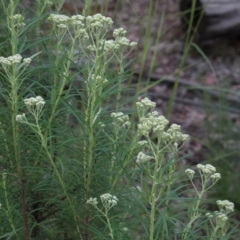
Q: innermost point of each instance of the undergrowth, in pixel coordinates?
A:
(78, 160)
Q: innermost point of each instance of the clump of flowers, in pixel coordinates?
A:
(92, 201)
(14, 61)
(108, 201)
(18, 21)
(219, 219)
(142, 157)
(99, 22)
(11, 60)
(190, 173)
(144, 106)
(151, 121)
(34, 106)
(225, 206)
(62, 23)
(120, 121)
(208, 178)
(96, 80)
(207, 173)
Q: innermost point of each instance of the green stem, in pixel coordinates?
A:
(4, 174)
(187, 46)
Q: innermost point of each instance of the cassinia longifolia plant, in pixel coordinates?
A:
(52, 171)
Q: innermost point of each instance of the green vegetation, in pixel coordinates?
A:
(80, 158)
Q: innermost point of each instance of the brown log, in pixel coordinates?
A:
(218, 17)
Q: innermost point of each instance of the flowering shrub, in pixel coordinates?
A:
(65, 139)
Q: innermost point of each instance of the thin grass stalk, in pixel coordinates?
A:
(147, 44)
(186, 49)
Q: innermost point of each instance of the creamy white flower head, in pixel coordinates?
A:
(27, 61)
(119, 32)
(142, 143)
(99, 21)
(142, 157)
(120, 119)
(221, 219)
(225, 206)
(190, 173)
(17, 17)
(108, 200)
(216, 176)
(133, 44)
(78, 17)
(151, 122)
(108, 45)
(207, 170)
(62, 25)
(98, 79)
(58, 18)
(21, 118)
(92, 201)
(11, 60)
(146, 103)
(34, 104)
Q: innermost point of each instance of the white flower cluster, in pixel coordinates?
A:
(119, 32)
(190, 173)
(15, 59)
(225, 206)
(11, 60)
(92, 201)
(21, 118)
(18, 17)
(142, 157)
(34, 103)
(98, 21)
(120, 120)
(108, 200)
(18, 20)
(152, 122)
(76, 21)
(209, 171)
(119, 42)
(142, 143)
(221, 219)
(58, 18)
(98, 78)
(174, 134)
(120, 39)
(145, 105)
